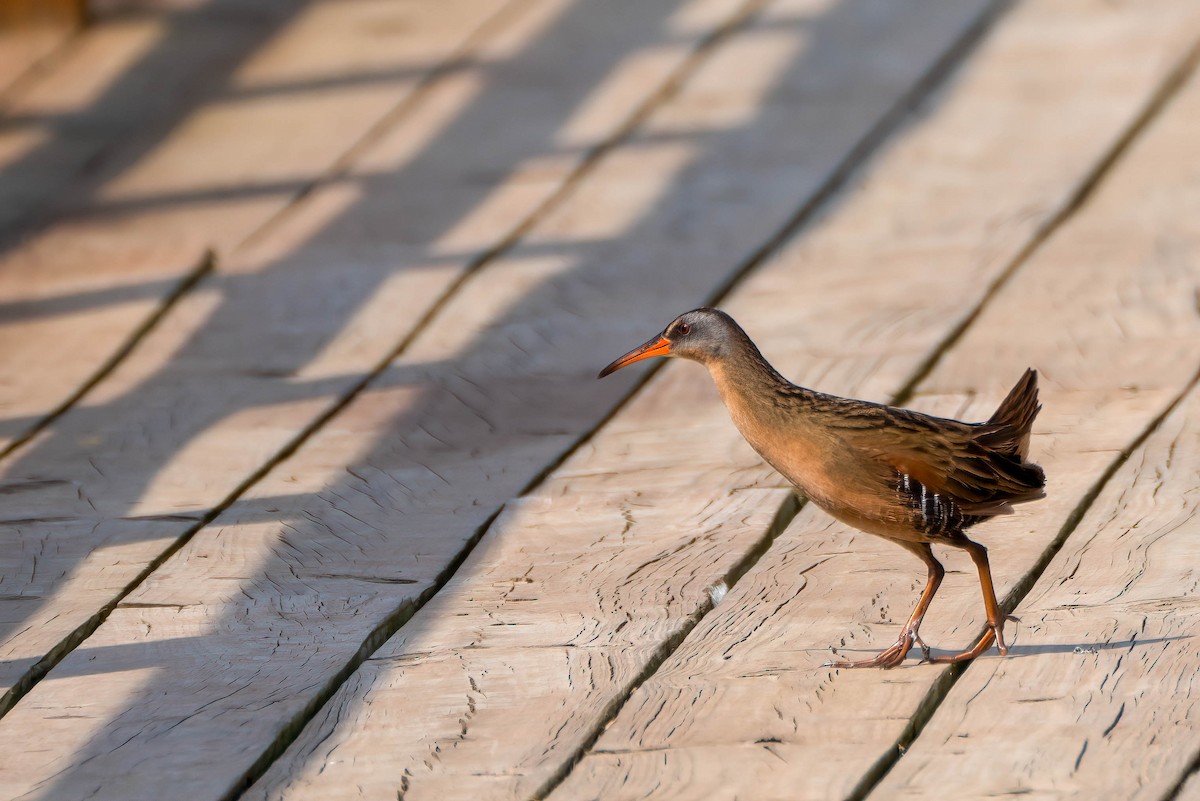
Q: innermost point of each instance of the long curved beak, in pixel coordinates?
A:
(659, 346)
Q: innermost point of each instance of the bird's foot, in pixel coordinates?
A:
(925, 652)
(995, 633)
(890, 658)
(998, 633)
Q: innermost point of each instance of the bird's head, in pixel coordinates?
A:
(701, 335)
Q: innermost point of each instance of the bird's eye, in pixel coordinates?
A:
(684, 329)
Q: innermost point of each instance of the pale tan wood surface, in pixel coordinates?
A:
(22, 49)
(31, 31)
(745, 707)
(158, 137)
(1103, 701)
(276, 337)
(491, 687)
(482, 401)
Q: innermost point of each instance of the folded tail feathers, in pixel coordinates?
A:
(1014, 417)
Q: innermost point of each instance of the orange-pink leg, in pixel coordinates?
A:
(909, 635)
(995, 630)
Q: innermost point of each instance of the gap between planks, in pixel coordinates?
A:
(185, 285)
(1157, 102)
(1188, 786)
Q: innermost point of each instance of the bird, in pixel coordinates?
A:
(911, 478)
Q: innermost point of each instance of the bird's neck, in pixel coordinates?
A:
(758, 398)
(785, 423)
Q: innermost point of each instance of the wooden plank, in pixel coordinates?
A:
(473, 411)
(289, 335)
(24, 49)
(31, 31)
(1106, 679)
(491, 689)
(745, 707)
(108, 201)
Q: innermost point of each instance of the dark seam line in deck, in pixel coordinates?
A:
(185, 285)
(1075, 202)
(664, 93)
(943, 684)
(1192, 769)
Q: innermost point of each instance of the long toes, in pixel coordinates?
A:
(1000, 644)
(887, 659)
(926, 653)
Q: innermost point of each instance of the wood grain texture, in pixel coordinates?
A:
(745, 707)
(275, 338)
(481, 402)
(485, 692)
(159, 137)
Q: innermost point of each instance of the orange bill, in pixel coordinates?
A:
(659, 346)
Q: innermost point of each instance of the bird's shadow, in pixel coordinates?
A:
(1033, 649)
(1014, 650)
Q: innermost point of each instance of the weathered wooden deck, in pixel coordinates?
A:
(308, 490)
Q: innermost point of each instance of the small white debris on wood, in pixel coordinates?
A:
(717, 592)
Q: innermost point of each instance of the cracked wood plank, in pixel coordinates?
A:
(745, 707)
(482, 401)
(274, 340)
(158, 137)
(492, 688)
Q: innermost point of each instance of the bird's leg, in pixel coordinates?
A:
(995, 631)
(909, 635)
(936, 572)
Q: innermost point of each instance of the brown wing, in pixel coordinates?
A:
(947, 458)
(953, 460)
(951, 474)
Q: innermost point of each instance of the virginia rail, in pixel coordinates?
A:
(909, 477)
